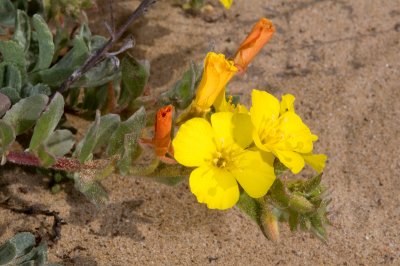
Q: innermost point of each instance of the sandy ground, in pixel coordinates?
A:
(341, 59)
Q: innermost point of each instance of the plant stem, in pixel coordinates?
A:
(62, 163)
(99, 55)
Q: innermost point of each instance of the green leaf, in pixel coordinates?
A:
(182, 93)
(90, 188)
(10, 76)
(46, 158)
(64, 68)
(5, 104)
(95, 98)
(98, 75)
(7, 13)
(39, 88)
(129, 149)
(12, 52)
(46, 45)
(89, 141)
(133, 124)
(60, 142)
(17, 246)
(22, 32)
(47, 122)
(249, 206)
(23, 115)
(7, 137)
(134, 79)
(11, 93)
(108, 124)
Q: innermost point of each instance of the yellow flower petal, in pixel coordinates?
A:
(290, 159)
(287, 103)
(316, 161)
(193, 144)
(254, 171)
(215, 187)
(296, 133)
(227, 3)
(264, 106)
(231, 129)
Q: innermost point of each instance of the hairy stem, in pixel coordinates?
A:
(100, 54)
(62, 163)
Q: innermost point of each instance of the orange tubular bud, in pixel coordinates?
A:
(162, 128)
(258, 37)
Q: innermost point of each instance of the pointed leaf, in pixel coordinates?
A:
(134, 124)
(60, 142)
(129, 149)
(23, 115)
(108, 124)
(22, 31)
(46, 45)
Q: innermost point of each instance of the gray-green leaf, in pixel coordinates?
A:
(5, 104)
(7, 137)
(23, 115)
(22, 32)
(60, 142)
(46, 45)
(47, 121)
(134, 124)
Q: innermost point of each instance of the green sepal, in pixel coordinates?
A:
(249, 206)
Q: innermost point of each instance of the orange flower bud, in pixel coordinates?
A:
(162, 128)
(258, 37)
(216, 74)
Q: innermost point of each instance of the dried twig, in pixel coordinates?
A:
(100, 54)
(34, 210)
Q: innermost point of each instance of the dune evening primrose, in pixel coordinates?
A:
(220, 153)
(282, 133)
(216, 74)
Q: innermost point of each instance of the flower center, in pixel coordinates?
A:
(219, 160)
(269, 132)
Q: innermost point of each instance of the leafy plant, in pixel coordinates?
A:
(21, 249)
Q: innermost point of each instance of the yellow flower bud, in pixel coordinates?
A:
(216, 74)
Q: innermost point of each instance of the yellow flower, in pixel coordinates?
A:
(227, 3)
(218, 150)
(316, 161)
(216, 74)
(283, 134)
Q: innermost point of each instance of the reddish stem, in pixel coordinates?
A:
(62, 163)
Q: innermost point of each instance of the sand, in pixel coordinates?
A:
(341, 59)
